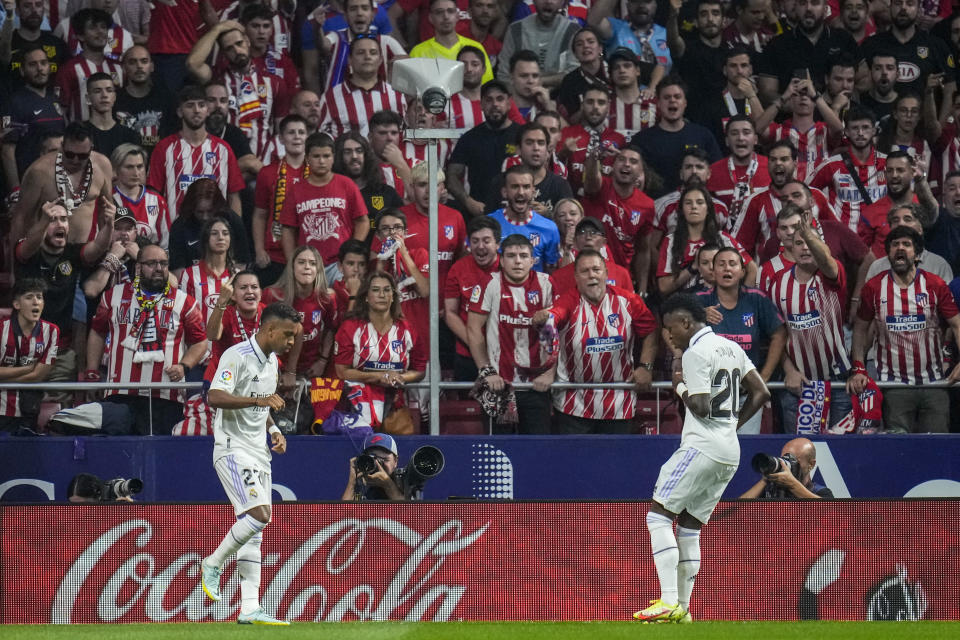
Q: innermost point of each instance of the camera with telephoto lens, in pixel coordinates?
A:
(425, 463)
(767, 464)
(121, 488)
(366, 464)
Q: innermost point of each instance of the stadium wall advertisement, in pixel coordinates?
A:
(838, 560)
(518, 467)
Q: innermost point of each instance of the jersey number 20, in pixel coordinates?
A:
(727, 386)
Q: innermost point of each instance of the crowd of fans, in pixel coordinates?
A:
(170, 168)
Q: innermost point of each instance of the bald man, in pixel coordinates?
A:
(784, 484)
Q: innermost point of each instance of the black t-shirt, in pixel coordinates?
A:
(31, 117)
(55, 48)
(882, 110)
(152, 116)
(549, 191)
(793, 50)
(60, 272)
(236, 139)
(185, 241)
(573, 86)
(701, 67)
(918, 57)
(713, 113)
(378, 197)
(943, 238)
(663, 150)
(106, 141)
(482, 151)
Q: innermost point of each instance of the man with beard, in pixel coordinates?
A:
(384, 138)
(480, 151)
(625, 212)
(907, 305)
(593, 131)
(91, 26)
(465, 283)
(549, 188)
(355, 159)
(751, 27)
(549, 34)
(192, 153)
(803, 51)
(156, 333)
(259, 24)
(465, 106)
(306, 104)
(664, 145)
(446, 41)
(484, 23)
(739, 95)
(48, 253)
(120, 262)
(638, 32)
(14, 38)
(141, 105)
(256, 96)
(918, 53)
(882, 95)
(700, 58)
(518, 218)
(943, 234)
(743, 172)
(218, 124)
(855, 19)
(855, 175)
(838, 88)
(33, 112)
(106, 132)
(908, 215)
(75, 176)
(809, 136)
(756, 225)
(597, 325)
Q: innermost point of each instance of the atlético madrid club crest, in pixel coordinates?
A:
(377, 202)
(397, 346)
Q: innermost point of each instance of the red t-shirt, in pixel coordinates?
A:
(623, 218)
(234, 330)
(466, 282)
(317, 317)
(265, 197)
(416, 308)
(608, 139)
(325, 216)
(564, 278)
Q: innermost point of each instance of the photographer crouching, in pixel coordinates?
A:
(373, 474)
(87, 488)
(790, 475)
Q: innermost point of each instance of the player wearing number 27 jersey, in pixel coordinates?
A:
(693, 479)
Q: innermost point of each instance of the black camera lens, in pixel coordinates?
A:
(366, 464)
(765, 464)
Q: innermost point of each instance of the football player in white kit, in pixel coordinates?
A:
(243, 391)
(714, 371)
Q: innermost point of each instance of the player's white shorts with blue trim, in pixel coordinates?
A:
(693, 482)
(247, 484)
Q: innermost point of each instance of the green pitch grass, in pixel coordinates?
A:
(494, 631)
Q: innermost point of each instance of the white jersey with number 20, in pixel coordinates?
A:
(715, 366)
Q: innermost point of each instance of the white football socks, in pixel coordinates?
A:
(663, 544)
(248, 563)
(688, 545)
(242, 530)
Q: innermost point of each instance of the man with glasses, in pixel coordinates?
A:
(381, 484)
(156, 333)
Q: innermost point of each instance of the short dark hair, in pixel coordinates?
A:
(318, 139)
(524, 55)
(493, 85)
(882, 53)
(99, 76)
(903, 231)
(30, 47)
(189, 93)
(81, 19)
(899, 154)
(515, 240)
(518, 168)
(472, 49)
(23, 286)
(385, 117)
(740, 117)
(695, 152)
(292, 118)
(85, 485)
(707, 246)
(858, 112)
(786, 144)
(486, 222)
(254, 11)
(734, 51)
(393, 213)
(279, 311)
(684, 303)
(672, 81)
(841, 59)
(352, 246)
(532, 126)
(77, 132)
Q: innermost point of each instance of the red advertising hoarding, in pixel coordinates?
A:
(482, 561)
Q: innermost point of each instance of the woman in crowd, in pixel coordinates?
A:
(906, 128)
(377, 349)
(567, 213)
(592, 72)
(202, 202)
(696, 226)
(215, 267)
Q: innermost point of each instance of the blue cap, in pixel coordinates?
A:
(382, 440)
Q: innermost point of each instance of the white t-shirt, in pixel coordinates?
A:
(244, 370)
(715, 366)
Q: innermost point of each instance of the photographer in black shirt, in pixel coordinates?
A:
(787, 482)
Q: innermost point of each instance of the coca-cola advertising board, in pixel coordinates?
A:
(846, 560)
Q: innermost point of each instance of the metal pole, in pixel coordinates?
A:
(432, 167)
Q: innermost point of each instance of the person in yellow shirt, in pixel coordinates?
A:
(446, 42)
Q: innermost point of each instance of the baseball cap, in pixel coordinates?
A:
(124, 213)
(381, 440)
(623, 53)
(591, 224)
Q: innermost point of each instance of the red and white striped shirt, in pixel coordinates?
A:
(732, 184)
(665, 264)
(813, 146)
(609, 139)
(281, 26)
(176, 324)
(339, 60)
(18, 350)
(392, 179)
(629, 119)
(596, 345)
(72, 83)
(665, 212)
(813, 311)
(834, 178)
(118, 40)
(416, 153)
(513, 344)
(909, 348)
(256, 99)
(464, 113)
(150, 210)
(347, 107)
(770, 269)
(947, 152)
(758, 223)
(175, 164)
(203, 285)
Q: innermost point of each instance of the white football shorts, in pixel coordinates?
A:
(692, 482)
(246, 483)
